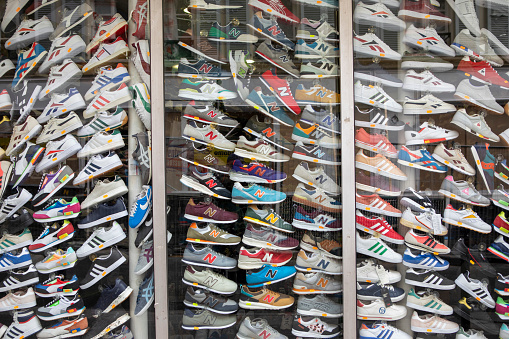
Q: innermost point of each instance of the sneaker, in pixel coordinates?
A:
(268, 105)
(425, 81)
(316, 178)
(207, 114)
(425, 243)
(376, 184)
(317, 49)
(58, 151)
(107, 100)
(62, 48)
(377, 14)
(377, 226)
(11, 15)
(465, 10)
(427, 302)
(421, 10)
(276, 8)
(105, 190)
(106, 79)
(501, 224)
(241, 71)
(318, 262)
(116, 26)
(24, 324)
(425, 60)
(269, 28)
(462, 191)
(60, 77)
(58, 127)
(251, 259)
(314, 327)
(417, 201)
(258, 149)
(22, 134)
(205, 182)
(71, 19)
(378, 164)
(376, 310)
(102, 213)
(500, 248)
(372, 46)
(424, 260)
(258, 236)
(97, 166)
(322, 68)
(453, 158)
(197, 320)
(61, 307)
(51, 183)
(57, 260)
(428, 133)
(18, 300)
(373, 203)
(102, 266)
(5, 127)
(501, 173)
(319, 306)
(252, 328)
(101, 238)
(316, 95)
(485, 162)
(315, 153)
(146, 258)
(111, 297)
(504, 332)
(141, 103)
(375, 73)
(18, 279)
(141, 207)
(52, 236)
(255, 173)
(267, 132)
(377, 143)
(379, 329)
(466, 218)
(368, 271)
(106, 53)
(205, 158)
(65, 328)
(380, 121)
(12, 260)
(501, 285)
(205, 278)
(475, 124)
(316, 29)
(372, 246)
(204, 90)
(475, 288)
(27, 63)
(208, 212)
(316, 198)
(102, 142)
(62, 103)
(141, 59)
(477, 47)
(145, 233)
(428, 279)
(26, 99)
(482, 72)
(25, 163)
(430, 323)
(419, 159)
(202, 299)
(428, 40)
(375, 96)
(474, 257)
(207, 135)
(57, 285)
(204, 49)
(267, 217)
(281, 90)
(267, 275)
(316, 136)
(277, 56)
(207, 257)
(478, 96)
(209, 5)
(6, 67)
(5, 101)
(11, 242)
(428, 104)
(104, 121)
(58, 209)
(495, 43)
(29, 31)
(328, 247)
(229, 33)
(107, 322)
(14, 202)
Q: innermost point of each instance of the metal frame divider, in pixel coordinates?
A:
(348, 169)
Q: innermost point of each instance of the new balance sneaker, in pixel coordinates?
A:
(318, 262)
(210, 234)
(316, 95)
(28, 61)
(316, 29)
(265, 237)
(208, 212)
(328, 247)
(267, 275)
(316, 198)
(58, 151)
(102, 266)
(57, 285)
(322, 68)
(376, 330)
(106, 53)
(204, 90)
(229, 33)
(58, 127)
(201, 277)
(52, 236)
(61, 307)
(428, 279)
(102, 142)
(462, 191)
(317, 49)
(377, 14)
(371, 45)
(466, 218)
(277, 56)
(141, 59)
(425, 243)
(316, 178)
(255, 194)
(59, 209)
(255, 258)
(101, 238)
(207, 135)
(241, 71)
(255, 173)
(141, 207)
(315, 153)
(374, 95)
(60, 104)
(201, 69)
(51, 183)
(13, 203)
(479, 96)
(62, 48)
(269, 28)
(276, 8)
(60, 77)
(427, 39)
(106, 79)
(377, 310)
(267, 131)
(453, 158)
(428, 133)
(11, 242)
(267, 217)
(24, 324)
(425, 81)
(420, 159)
(209, 158)
(485, 162)
(268, 105)
(252, 328)
(20, 278)
(427, 104)
(316, 136)
(104, 121)
(202, 299)
(29, 31)
(115, 26)
(314, 327)
(373, 203)
(97, 166)
(24, 163)
(375, 73)
(281, 89)
(205, 182)
(21, 134)
(103, 213)
(424, 260)
(259, 149)
(377, 226)
(319, 306)
(373, 247)
(207, 257)
(475, 288)
(71, 19)
(107, 100)
(15, 259)
(196, 320)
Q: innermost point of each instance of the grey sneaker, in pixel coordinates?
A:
(207, 257)
(315, 153)
(71, 19)
(202, 299)
(423, 60)
(462, 191)
(500, 197)
(316, 283)
(241, 71)
(465, 10)
(278, 57)
(478, 95)
(204, 319)
(476, 47)
(475, 124)
(324, 119)
(268, 132)
(143, 155)
(208, 279)
(146, 258)
(320, 306)
(316, 177)
(258, 328)
(208, 115)
(145, 295)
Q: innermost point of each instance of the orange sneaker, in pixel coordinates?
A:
(378, 164)
(316, 95)
(373, 203)
(377, 143)
(425, 243)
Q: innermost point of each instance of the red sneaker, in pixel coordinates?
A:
(501, 224)
(425, 243)
(482, 71)
(421, 10)
(375, 143)
(378, 225)
(281, 89)
(140, 18)
(250, 259)
(276, 8)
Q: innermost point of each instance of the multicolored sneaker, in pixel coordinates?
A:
(425, 243)
(281, 89)
(501, 224)
(57, 261)
(255, 172)
(485, 163)
(316, 220)
(268, 105)
(59, 209)
(12, 260)
(52, 236)
(316, 198)
(269, 28)
(267, 132)
(257, 257)
(267, 217)
(210, 234)
(229, 33)
(28, 61)
(276, 8)
(255, 194)
(57, 285)
(263, 299)
(419, 159)
(424, 260)
(267, 238)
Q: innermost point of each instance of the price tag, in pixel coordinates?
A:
(436, 220)
(386, 296)
(382, 275)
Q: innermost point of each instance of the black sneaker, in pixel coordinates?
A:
(215, 303)
(102, 266)
(17, 279)
(374, 291)
(502, 285)
(378, 119)
(111, 297)
(474, 257)
(375, 73)
(145, 232)
(206, 158)
(270, 132)
(17, 222)
(104, 212)
(143, 155)
(24, 163)
(107, 322)
(428, 278)
(205, 182)
(477, 314)
(417, 201)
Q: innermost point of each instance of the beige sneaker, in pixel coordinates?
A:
(316, 95)
(378, 164)
(21, 134)
(18, 300)
(429, 323)
(258, 150)
(427, 302)
(316, 198)
(453, 158)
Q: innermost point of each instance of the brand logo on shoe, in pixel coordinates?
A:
(319, 153)
(210, 258)
(211, 135)
(274, 30)
(268, 132)
(212, 114)
(214, 233)
(210, 212)
(205, 68)
(273, 106)
(210, 281)
(259, 172)
(323, 264)
(234, 32)
(272, 218)
(284, 58)
(209, 158)
(323, 220)
(381, 310)
(259, 193)
(210, 319)
(268, 298)
(271, 273)
(268, 257)
(211, 183)
(284, 91)
(482, 71)
(322, 282)
(264, 334)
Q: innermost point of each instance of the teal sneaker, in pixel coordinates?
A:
(267, 217)
(268, 105)
(230, 33)
(255, 194)
(268, 274)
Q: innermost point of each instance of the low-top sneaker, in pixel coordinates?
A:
(103, 213)
(475, 288)
(61, 307)
(62, 103)
(474, 257)
(425, 243)
(259, 149)
(429, 279)
(207, 257)
(376, 248)
(19, 278)
(107, 78)
(97, 166)
(376, 310)
(25, 162)
(453, 158)
(423, 221)
(428, 133)
(210, 234)
(58, 127)
(62, 48)
(377, 226)
(58, 151)
(141, 207)
(255, 194)
(207, 135)
(466, 218)
(257, 257)
(424, 260)
(57, 261)
(316, 198)
(52, 236)
(58, 209)
(267, 217)
(500, 248)
(104, 121)
(370, 272)
(51, 183)
(205, 182)
(375, 291)
(57, 285)
(318, 262)
(107, 100)
(102, 142)
(462, 191)
(105, 190)
(101, 238)
(266, 237)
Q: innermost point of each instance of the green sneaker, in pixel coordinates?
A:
(229, 33)
(267, 217)
(141, 103)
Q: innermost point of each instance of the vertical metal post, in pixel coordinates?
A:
(158, 168)
(348, 169)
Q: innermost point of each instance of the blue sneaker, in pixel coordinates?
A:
(200, 70)
(270, 29)
(57, 285)
(255, 194)
(145, 295)
(485, 162)
(107, 78)
(268, 274)
(318, 49)
(374, 291)
(10, 261)
(141, 207)
(28, 62)
(112, 296)
(255, 173)
(424, 260)
(500, 248)
(420, 159)
(268, 105)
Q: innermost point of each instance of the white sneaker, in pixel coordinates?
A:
(24, 324)
(368, 271)
(207, 135)
(428, 104)
(465, 218)
(104, 121)
(21, 134)
(107, 100)
(375, 96)
(376, 310)
(259, 149)
(106, 79)
(26, 99)
(113, 27)
(18, 300)
(376, 248)
(475, 124)
(102, 142)
(29, 31)
(379, 15)
(58, 151)
(477, 289)
(371, 45)
(478, 95)
(97, 166)
(5, 101)
(107, 52)
(429, 133)
(62, 103)
(102, 237)
(465, 10)
(316, 198)
(141, 103)
(62, 48)
(13, 203)
(105, 190)
(58, 127)
(422, 222)
(204, 90)
(426, 82)
(427, 39)
(316, 178)
(141, 60)
(61, 76)
(496, 44)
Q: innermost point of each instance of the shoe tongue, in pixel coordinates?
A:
(259, 323)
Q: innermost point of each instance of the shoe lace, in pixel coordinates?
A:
(52, 301)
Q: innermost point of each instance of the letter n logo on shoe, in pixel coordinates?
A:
(210, 258)
(264, 334)
(259, 193)
(210, 281)
(323, 264)
(214, 233)
(268, 132)
(320, 198)
(268, 298)
(271, 273)
(272, 218)
(205, 68)
(211, 183)
(323, 282)
(211, 135)
(210, 212)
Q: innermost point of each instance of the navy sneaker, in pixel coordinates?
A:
(111, 297)
(268, 105)
(17, 222)
(104, 212)
(255, 173)
(270, 29)
(201, 69)
(485, 162)
(425, 260)
(500, 248)
(145, 295)
(203, 299)
(10, 260)
(267, 274)
(374, 291)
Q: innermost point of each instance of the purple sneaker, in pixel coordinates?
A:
(376, 184)
(315, 221)
(255, 173)
(208, 212)
(51, 183)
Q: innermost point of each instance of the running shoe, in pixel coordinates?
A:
(281, 89)
(466, 218)
(255, 194)
(268, 105)
(207, 135)
(51, 236)
(277, 56)
(485, 162)
(259, 149)
(51, 183)
(269, 28)
(265, 237)
(205, 182)
(58, 209)
(267, 275)
(71, 19)
(255, 173)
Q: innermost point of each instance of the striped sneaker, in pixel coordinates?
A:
(379, 164)
(427, 302)
(107, 78)
(10, 260)
(419, 159)
(24, 324)
(501, 224)
(17, 279)
(104, 121)
(425, 243)
(97, 166)
(377, 225)
(13, 203)
(424, 260)
(381, 330)
(380, 121)
(377, 143)
(11, 242)
(476, 288)
(373, 203)
(102, 266)
(428, 279)
(59, 126)
(376, 248)
(107, 100)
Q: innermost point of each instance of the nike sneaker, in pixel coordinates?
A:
(425, 10)
(201, 69)
(204, 90)
(267, 132)
(106, 79)
(315, 50)
(229, 33)
(140, 16)
(377, 14)
(71, 19)
(102, 142)
(59, 209)
(205, 182)
(12, 11)
(141, 207)
(116, 26)
(268, 105)
(277, 56)
(29, 31)
(51, 236)
(60, 77)
(104, 121)
(207, 135)
(25, 162)
(58, 127)
(255, 194)
(258, 150)
(57, 151)
(97, 166)
(241, 71)
(281, 89)
(371, 45)
(28, 62)
(269, 28)
(106, 53)
(141, 59)
(22, 134)
(316, 29)
(275, 8)
(62, 103)
(62, 48)
(141, 103)
(427, 39)
(107, 100)
(51, 183)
